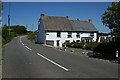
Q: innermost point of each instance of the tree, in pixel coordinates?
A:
(111, 19)
(19, 29)
(15, 31)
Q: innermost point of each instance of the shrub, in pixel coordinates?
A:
(31, 36)
(91, 46)
(107, 50)
(78, 45)
(74, 44)
(68, 44)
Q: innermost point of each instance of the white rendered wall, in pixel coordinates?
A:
(95, 37)
(53, 36)
(84, 34)
(64, 36)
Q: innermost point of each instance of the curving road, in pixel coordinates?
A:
(23, 59)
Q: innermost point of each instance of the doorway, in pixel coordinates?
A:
(58, 42)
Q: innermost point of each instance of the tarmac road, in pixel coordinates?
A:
(24, 59)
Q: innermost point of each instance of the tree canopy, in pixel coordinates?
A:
(19, 29)
(14, 31)
(111, 18)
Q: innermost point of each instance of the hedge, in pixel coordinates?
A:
(74, 44)
(107, 50)
(91, 46)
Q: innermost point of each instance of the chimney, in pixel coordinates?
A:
(77, 19)
(67, 16)
(90, 20)
(42, 14)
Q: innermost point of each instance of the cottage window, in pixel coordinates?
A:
(92, 34)
(78, 41)
(78, 35)
(67, 41)
(58, 34)
(47, 34)
(69, 34)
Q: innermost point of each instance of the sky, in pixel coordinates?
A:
(28, 13)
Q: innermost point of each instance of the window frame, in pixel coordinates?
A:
(58, 34)
(78, 34)
(69, 35)
(91, 34)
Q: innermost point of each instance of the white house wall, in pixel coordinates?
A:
(52, 36)
(95, 37)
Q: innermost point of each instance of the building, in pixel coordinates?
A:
(105, 37)
(54, 30)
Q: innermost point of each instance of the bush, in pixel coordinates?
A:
(74, 44)
(68, 44)
(78, 45)
(15, 31)
(91, 46)
(31, 36)
(107, 50)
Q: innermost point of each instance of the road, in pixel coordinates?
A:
(24, 59)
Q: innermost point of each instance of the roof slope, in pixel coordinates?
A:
(79, 25)
(53, 23)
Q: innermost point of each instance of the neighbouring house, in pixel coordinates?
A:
(105, 37)
(54, 30)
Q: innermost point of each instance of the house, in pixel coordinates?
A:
(54, 30)
(105, 37)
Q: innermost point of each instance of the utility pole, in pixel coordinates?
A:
(9, 19)
(32, 27)
(9, 24)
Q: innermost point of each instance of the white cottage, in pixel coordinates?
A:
(54, 30)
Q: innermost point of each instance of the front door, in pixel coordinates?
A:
(58, 42)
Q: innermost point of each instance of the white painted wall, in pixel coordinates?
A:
(95, 37)
(64, 36)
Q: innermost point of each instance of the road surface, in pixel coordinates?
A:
(24, 59)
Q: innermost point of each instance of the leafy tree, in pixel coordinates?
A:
(19, 29)
(31, 36)
(14, 31)
(111, 19)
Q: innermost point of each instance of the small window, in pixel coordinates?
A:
(67, 41)
(92, 34)
(58, 34)
(78, 35)
(77, 40)
(47, 34)
(69, 34)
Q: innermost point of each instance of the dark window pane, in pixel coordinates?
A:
(58, 34)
